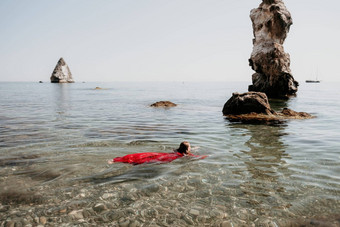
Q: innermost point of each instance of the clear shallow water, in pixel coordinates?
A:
(55, 140)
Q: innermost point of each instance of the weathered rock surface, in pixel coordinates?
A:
(163, 104)
(253, 107)
(61, 73)
(271, 23)
(250, 102)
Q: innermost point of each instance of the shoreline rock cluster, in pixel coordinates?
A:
(253, 107)
(273, 78)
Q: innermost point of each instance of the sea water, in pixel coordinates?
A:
(55, 140)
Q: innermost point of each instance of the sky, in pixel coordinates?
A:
(158, 40)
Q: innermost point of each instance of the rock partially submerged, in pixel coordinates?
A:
(271, 24)
(163, 104)
(250, 102)
(61, 73)
(253, 107)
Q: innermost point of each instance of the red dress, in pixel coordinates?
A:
(148, 157)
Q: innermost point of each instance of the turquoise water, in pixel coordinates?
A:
(55, 140)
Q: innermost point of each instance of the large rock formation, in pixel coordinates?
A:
(61, 73)
(271, 23)
(253, 107)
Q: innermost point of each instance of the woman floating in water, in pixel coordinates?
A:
(139, 158)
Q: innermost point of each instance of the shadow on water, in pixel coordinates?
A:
(126, 173)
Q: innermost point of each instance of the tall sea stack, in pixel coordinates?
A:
(61, 73)
(271, 23)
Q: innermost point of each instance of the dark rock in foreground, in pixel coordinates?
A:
(61, 73)
(253, 107)
(250, 102)
(163, 104)
(271, 23)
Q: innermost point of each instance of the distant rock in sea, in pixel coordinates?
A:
(253, 107)
(163, 104)
(271, 24)
(61, 73)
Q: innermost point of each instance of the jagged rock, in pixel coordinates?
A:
(163, 104)
(271, 23)
(61, 73)
(249, 102)
(253, 107)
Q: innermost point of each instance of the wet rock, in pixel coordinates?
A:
(4, 208)
(107, 195)
(36, 220)
(18, 196)
(9, 224)
(293, 114)
(124, 223)
(271, 23)
(253, 107)
(99, 207)
(163, 104)
(327, 221)
(249, 102)
(134, 224)
(77, 204)
(88, 213)
(61, 210)
(61, 73)
(194, 212)
(188, 219)
(278, 118)
(76, 214)
(227, 224)
(42, 220)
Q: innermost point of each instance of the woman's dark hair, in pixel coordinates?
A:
(183, 147)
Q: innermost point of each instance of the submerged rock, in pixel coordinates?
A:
(61, 73)
(271, 23)
(163, 104)
(253, 107)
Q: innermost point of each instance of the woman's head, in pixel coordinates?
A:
(184, 148)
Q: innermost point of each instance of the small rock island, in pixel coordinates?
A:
(253, 107)
(61, 73)
(165, 104)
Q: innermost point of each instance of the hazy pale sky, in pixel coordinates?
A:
(158, 40)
